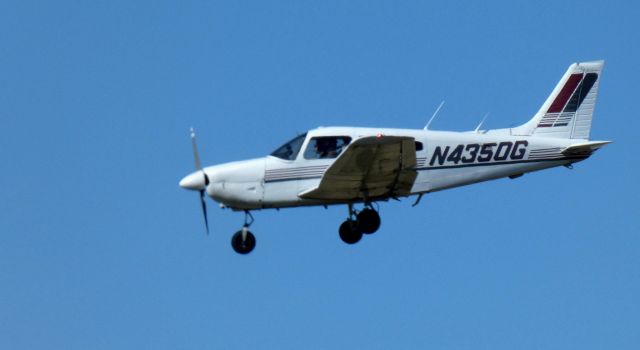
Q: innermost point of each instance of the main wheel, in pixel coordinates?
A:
(243, 246)
(368, 221)
(349, 232)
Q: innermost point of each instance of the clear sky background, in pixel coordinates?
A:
(100, 248)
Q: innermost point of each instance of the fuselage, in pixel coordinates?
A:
(443, 160)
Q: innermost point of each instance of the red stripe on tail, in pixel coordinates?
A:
(562, 98)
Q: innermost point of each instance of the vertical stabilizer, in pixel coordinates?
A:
(568, 111)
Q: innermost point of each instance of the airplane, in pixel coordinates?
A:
(356, 166)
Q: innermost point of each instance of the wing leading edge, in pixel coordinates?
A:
(371, 167)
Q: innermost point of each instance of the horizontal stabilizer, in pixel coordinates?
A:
(584, 148)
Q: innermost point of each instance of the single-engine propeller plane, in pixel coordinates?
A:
(361, 166)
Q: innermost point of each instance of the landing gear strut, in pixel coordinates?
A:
(243, 241)
(366, 221)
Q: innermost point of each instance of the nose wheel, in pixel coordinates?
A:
(366, 221)
(243, 241)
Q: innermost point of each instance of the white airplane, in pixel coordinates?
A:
(350, 165)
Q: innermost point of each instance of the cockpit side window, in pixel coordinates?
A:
(326, 147)
(290, 150)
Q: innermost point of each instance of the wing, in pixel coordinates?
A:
(371, 167)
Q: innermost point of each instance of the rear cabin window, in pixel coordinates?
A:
(326, 147)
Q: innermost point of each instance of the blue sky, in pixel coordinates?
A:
(100, 248)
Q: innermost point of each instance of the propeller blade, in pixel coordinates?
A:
(196, 156)
(204, 210)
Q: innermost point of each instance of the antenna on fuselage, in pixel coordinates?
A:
(477, 130)
(426, 127)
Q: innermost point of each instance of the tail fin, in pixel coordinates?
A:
(568, 111)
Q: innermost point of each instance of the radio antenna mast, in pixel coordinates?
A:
(426, 127)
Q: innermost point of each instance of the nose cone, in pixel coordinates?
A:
(193, 181)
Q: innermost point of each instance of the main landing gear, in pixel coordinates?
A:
(244, 241)
(366, 221)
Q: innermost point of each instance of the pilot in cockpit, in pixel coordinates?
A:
(326, 147)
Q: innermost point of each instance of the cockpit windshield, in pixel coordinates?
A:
(289, 151)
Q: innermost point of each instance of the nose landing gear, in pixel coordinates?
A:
(243, 241)
(365, 222)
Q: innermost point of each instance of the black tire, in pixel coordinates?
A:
(368, 221)
(349, 232)
(243, 247)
